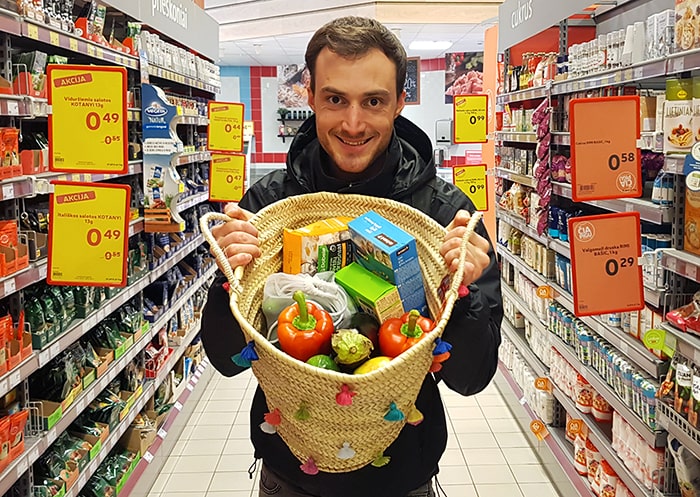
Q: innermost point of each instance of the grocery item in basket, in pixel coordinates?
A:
(370, 292)
(390, 252)
(351, 348)
(687, 468)
(323, 243)
(304, 329)
(397, 335)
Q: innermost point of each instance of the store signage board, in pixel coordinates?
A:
(605, 251)
(605, 160)
(88, 239)
(472, 181)
(225, 133)
(181, 20)
(470, 118)
(227, 177)
(88, 126)
(519, 20)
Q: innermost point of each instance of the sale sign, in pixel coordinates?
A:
(87, 125)
(605, 250)
(605, 160)
(226, 177)
(89, 234)
(470, 118)
(472, 181)
(225, 127)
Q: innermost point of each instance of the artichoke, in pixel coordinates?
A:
(350, 346)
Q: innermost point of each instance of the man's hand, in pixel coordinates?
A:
(238, 238)
(477, 254)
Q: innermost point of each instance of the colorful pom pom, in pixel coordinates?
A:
(462, 291)
(380, 460)
(244, 358)
(394, 414)
(346, 452)
(226, 286)
(344, 397)
(435, 367)
(441, 347)
(302, 413)
(268, 428)
(415, 417)
(309, 467)
(274, 417)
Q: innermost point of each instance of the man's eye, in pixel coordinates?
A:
(334, 99)
(373, 102)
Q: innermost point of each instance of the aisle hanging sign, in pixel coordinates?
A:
(89, 234)
(472, 181)
(518, 20)
(226, 177)
(87, 126)
(470, 118)
(225, 133)
(605, 160)
(605, 251)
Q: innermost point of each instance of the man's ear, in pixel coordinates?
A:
(310, 98)
(400, 104)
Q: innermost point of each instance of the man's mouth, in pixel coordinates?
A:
(353, 143)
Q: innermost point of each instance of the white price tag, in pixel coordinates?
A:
(148, 457)
(162, 433)
(44, 358)
(90, 322)
(691, 271)
(51, 436)
(3, 387)
(55, 349)
(672, 264)
(8, 191)
(80, 405)
(638, 72)
(198, 374)
(12, 108)
(178, 406)
(624, 348)
(195, 380)
(100, 315)
(679, 64)
(523, 401)
(10, 287)
(42, 271)
(34, 454)
(108, 309)
(629, 208)
(22, 467)
(15, 378)
(190, 387)
(82, 480)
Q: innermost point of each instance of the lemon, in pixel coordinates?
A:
(372, 364)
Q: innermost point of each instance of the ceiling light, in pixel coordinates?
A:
(430, 45)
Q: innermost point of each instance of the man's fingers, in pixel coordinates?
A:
(461, 219)
(235, 212)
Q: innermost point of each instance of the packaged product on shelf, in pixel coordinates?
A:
(593, 460)
(686, 25)
(694, 404)
(584, 395)
(678, 116)
(684, 386)
(580, 460)
(687, 468)
(602, 411)
(608, 480)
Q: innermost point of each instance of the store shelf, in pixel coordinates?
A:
(561, 450)
(519, 224)
(521, 95)
(528, 313)
(518, 178)
(180, 254)
(192, 120)
(626, 344)
(136, 226)
(677, 426)
(682, 263)
(523, 268)
(646, 70)
(602, 441)
(686, 344)
(133, 115)
(560, 247)
(648, 211)
(161, 72)
(561, 138)
(191, 158)
(653, 438)
(520, 342)
(192, 200)
(51, 36)
(654, 297)
(518, 137)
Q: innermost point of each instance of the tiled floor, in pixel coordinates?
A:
(487, 454)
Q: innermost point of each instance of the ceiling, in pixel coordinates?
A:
(239, 45)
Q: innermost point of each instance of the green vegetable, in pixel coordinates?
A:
(351, 346)
(324, 362)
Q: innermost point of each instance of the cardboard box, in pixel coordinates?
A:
(370, 292)
(391, 253)
(647, 110)
(302, 246)
(137, 440)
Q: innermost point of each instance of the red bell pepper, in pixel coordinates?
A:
(397, 335)
(304, 330)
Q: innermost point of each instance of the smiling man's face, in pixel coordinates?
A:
(355, 103)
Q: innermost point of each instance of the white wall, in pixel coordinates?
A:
(230, 89)
(271, 142)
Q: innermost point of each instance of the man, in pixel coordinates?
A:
(357, 142)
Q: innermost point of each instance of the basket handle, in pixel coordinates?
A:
(453, 292)
(233, 276)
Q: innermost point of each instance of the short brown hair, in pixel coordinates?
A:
(352, 37)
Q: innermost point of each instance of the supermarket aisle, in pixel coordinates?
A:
(483, 458)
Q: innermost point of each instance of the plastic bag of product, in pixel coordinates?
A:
(602, 411)
(584, 395)
(608, 480)
(541, 113)
(687, 468)
(593, 459)
(580, 460)
(543, 146)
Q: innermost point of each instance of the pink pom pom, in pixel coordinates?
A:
(309, 467)
(344, 397)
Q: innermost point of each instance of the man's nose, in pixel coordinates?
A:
(353, 121)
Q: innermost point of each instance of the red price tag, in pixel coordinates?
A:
(607, 277)
(605, 160)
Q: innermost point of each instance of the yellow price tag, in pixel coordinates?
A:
(100, 52)
(54, 38)
(88, 126)
(470, 121)
(472, 181)
(73, 44)
(225, 127)
(91, 49)
(226, 177)
(32, 31)
(89, 234)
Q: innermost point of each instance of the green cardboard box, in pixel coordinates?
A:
(370, 292)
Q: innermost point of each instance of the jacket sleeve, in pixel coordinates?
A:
(222, 337)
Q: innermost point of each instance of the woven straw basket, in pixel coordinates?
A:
(290, 384)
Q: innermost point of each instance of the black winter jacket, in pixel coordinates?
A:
(408, 175)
